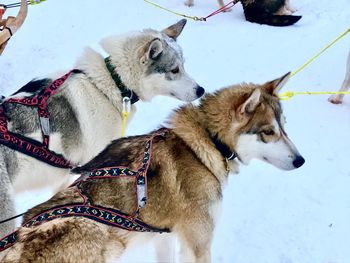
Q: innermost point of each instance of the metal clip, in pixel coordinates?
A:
(196, 18)
(45, 125)
(141, 196)
(126, 104)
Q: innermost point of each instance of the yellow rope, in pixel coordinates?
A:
(195, 18)
(125, 113)
(290, 94)
(35, 2)
(283, 96)
(319, 53)
(124, 121)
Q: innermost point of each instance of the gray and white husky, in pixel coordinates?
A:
(86, 112)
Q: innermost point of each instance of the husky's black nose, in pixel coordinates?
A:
(299, 161)
(200, 91)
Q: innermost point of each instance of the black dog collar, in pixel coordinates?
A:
(123, 89)
(223, 148)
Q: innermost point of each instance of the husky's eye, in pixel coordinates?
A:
(175, 70)
(268, 132)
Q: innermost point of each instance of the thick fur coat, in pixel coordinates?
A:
(186, 178)
(86, 112)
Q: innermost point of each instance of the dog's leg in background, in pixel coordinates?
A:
(165, 248)
(289, 7)
(284, 11)
(189, 2)
(222, 4)
(196, 242)
(338, 98)
(7, 206)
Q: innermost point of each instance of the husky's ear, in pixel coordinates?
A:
(152, 51)
(175, 30)
(273, 87)
(250, 104)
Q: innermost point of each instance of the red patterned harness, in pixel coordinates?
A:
(33, 148)
(40, 151)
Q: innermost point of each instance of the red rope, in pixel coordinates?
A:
(222, 9)
(2, 11)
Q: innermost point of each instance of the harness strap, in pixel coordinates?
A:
(29, 146)
(107, 216)
(139, 175)
(8, 241)
(34, 149)
(100, 214)
(40, 101)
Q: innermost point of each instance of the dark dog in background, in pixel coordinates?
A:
(269, 12)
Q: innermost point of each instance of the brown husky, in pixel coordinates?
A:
(188, 169)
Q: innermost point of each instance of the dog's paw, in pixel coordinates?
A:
(291, 9)
(335, 99)
(283, 12)
(189, 3)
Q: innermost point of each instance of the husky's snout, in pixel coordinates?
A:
(199, 91)
(298, 161)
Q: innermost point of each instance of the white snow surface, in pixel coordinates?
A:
(268, 215)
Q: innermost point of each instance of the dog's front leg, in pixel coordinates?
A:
(338, 98)
(7, 207)
(222, 4)
(195, 242)
(165, 248)
(289, 7)
(189, 2)
(284, 11)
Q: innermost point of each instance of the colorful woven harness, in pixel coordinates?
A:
(40, 150)
(33, 148)
(108, 216)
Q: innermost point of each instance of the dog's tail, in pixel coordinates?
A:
(272, 20)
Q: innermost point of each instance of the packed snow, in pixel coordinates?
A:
(268, 215)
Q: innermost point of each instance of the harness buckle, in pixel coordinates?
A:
(45, 125)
